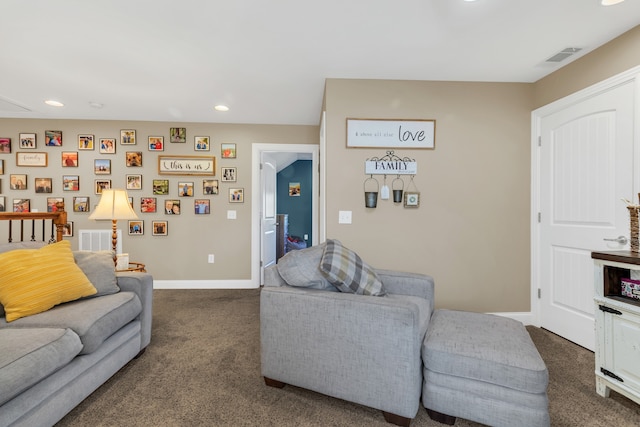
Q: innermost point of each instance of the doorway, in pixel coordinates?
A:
(264, 206)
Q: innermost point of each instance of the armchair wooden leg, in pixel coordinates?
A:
(273, 383)
(396, 419)
(440, 417)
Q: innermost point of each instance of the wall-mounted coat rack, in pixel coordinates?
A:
(390, 164)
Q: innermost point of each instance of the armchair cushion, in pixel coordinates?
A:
(348, 272)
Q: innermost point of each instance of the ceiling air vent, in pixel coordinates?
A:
(564, 54)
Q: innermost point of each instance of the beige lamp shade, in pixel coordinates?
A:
(114, 204)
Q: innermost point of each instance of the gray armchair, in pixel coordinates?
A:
(363, 349)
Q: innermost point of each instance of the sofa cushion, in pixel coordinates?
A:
(29, 355)
(34, 280)
(100, 269)
(301, 269)
(348, 272)
(94, 320)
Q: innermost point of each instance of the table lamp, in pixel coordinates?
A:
(114, 205)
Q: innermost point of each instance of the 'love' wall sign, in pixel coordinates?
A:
(383, 133)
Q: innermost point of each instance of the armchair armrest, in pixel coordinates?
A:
(403, 283)
(142, 285)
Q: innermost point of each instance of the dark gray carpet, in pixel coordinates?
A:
(203, 369)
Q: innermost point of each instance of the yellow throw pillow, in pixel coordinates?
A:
(34, 280)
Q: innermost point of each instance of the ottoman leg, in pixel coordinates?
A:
(441, 418)
(273, 383)
(396, 419)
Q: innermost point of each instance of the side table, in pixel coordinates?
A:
(135, 266)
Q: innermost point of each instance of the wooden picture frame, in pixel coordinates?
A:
(86, 141)
(1, 167)
(108, 146)
(21, 205)
(44, 185)
(102, 166)
(5, 145)
(28, 141)
(148, 204)
(69, 159)
(128, 137)
(202, 206)
(67, 229)
(411, 199)
(236, 195)
(159, 228)
(134, 182)
(201, 143)
(70, 183)
(161, 186)
(178, 135)
(134, 159)
(156, 143)
(31, 159)
(136, 227)
(210, 186)
(81, 204)
(187, 165)
(172, 207)
(53, 138)
(18, 181)
(3, 204)
(229, 174)
(55, 204)
(102, 184)
(391, 133)
(228, 150)
(185, 189)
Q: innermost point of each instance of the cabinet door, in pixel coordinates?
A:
(624, 357)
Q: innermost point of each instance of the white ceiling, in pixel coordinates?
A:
(173, 60)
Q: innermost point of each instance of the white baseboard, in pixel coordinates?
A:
(203, 284)
(526, 318)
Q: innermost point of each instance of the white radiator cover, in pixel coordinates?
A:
(98, 240)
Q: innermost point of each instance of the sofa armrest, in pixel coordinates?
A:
(404, 283)
(142, 285)
(272, 277)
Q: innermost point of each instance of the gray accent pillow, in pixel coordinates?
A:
(99, 268)
(348, 272)
(301, 269)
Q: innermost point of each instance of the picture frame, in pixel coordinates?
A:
(69, 159)
(178, 135)
(391, 133)
(102, 184)
(107, 146)
(67, 229)
(21, 205)
(228, 150)
(53, 138)
(127, 137)
(294, 189)
(86, 141)
(229, 174)
(102, 166)
(134, 182)
(81, 204)
(159, 228)
(210, 186)
(202, 206)
(5, 145)
(236, 195)
(411, 199)
(186, 165)
(3, 204)
(136, 227)
(161, 186)
(27, 141)
(148, 204)
(201, 143)
(70, 183)
(43, 185)
(1, 166)
(31, 159)
(55, 204)
(156, 143)
(18, 181)
(172, 207)
(185, 189)
(134, 159)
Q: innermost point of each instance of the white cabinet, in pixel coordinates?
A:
(617, 325)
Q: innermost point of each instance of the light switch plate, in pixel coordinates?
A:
(344, 217)
(231, 214)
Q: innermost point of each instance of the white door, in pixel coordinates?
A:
(269, 210)
(586, 167)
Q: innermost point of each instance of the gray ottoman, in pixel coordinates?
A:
(483, 368)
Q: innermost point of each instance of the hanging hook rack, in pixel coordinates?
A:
(390, 162)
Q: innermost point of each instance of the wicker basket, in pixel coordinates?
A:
(634, 229)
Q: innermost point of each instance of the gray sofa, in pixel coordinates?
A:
(53, 360)
(361, 348)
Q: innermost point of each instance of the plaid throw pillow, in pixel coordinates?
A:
(348, 272)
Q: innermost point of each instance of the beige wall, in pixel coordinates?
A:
(182, 254)
(471, 231)
(621, 54)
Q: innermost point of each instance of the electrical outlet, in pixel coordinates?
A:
(210, 259)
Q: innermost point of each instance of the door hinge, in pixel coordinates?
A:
(260, 166)
(260, 263)
(539, 141)
(539, 217)
(609, 309)
(611, 374)
(539, 293)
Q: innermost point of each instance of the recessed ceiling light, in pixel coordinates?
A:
(610, 2)
(54, 103)
(221, 108)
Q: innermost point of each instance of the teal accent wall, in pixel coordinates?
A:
(298, 207)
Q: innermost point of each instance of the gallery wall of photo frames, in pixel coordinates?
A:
(49, 162)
